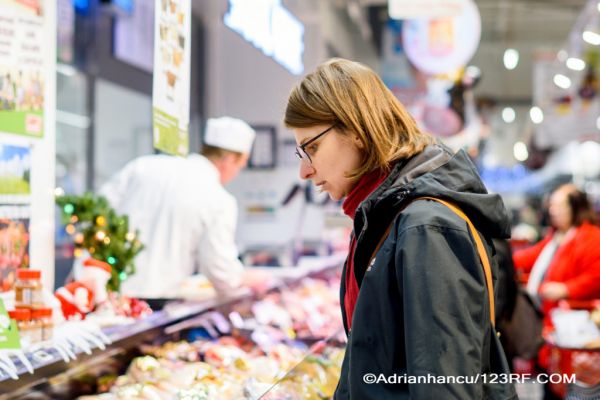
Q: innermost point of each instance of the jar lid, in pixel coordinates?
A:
(20, 314)
(29, 274)
(41, 313)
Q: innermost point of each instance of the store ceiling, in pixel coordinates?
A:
(527, 25)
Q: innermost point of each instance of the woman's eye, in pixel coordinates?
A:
(311, 149)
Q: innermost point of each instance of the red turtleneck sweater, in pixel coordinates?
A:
(364, 187)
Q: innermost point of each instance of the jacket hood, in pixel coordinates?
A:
(437, 172)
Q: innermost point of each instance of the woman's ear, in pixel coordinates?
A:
(357, 142)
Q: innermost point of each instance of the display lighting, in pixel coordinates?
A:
(101, 221)
(520, 151)
(129, 236)
(508, 115)
(74, 219)
(59, 192)
(70, 229)
(69, 208)
(79, 238)
(100, 235)
(123, 276)
(575, 64)
(511, 59)
(92, 250)
(536, 114)
(106, 240)
(591, 38)
(111, 260)
(562, 81)
(77, 253)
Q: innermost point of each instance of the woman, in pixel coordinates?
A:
(566, 263)
(420, 308)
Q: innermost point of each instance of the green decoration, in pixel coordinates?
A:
(9, 333)
(102, 232)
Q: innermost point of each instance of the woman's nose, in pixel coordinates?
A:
(306, 169)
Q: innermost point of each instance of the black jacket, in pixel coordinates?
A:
(423, 308)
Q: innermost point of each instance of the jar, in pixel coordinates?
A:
(28, 289)
(44, 316)
(29, 330)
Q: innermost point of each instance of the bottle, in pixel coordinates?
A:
(28, 289)
(44, 316)
(29, 332)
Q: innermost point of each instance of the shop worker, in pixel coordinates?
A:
(186, 218)
(414, 293)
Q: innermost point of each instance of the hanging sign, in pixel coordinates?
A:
(442, 45)
(409, 9)
(171, 84)
(22, 65)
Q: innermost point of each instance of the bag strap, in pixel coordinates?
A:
(478, 242)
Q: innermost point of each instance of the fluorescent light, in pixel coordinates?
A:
(508, 115)
(575, 64)
(520, 151)
(66, 69)
(537, 115)
(591, 38)
(562, 81)
(511, 58)
(72, 119)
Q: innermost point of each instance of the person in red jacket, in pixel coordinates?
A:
(566, 263)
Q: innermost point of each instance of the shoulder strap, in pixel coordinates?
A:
(478, 242)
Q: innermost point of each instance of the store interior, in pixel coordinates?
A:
(512, 83)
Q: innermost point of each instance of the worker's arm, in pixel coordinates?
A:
(217, 253)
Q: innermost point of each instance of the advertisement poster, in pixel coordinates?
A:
(14, 243)
(171, 84)
(21, 67)
(15, 172)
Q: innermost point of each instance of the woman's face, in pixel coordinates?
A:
(332, 157)
(560, 212)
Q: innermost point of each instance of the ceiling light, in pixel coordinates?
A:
(537, 115)
(562, 55)
(508, 115)
(591, 38)
(511, 58)
(562, 81)
(575, 64)
(520, 151)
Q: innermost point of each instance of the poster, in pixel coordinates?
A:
(21, 67)
(171, 80)
(14, 243)
(15, 172)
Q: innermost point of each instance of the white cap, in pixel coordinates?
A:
(229, 134)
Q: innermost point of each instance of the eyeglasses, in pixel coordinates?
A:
(301, 150)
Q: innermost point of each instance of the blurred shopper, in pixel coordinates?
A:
(413, 295)
(566, 263)
(186, 218)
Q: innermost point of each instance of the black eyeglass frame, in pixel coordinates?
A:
(300, 150)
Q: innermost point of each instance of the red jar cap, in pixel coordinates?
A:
(29, 274)
(20, 314)
(41, 313)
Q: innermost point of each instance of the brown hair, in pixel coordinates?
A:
(353, 97)
(216, 153)
(581, 207)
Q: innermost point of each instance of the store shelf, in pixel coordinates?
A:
(50, 368)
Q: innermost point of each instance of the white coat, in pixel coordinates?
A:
(186, 220)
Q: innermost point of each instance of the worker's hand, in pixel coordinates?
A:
(259, 281)
(554, 291)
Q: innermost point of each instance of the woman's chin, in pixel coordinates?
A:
(335, 196)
